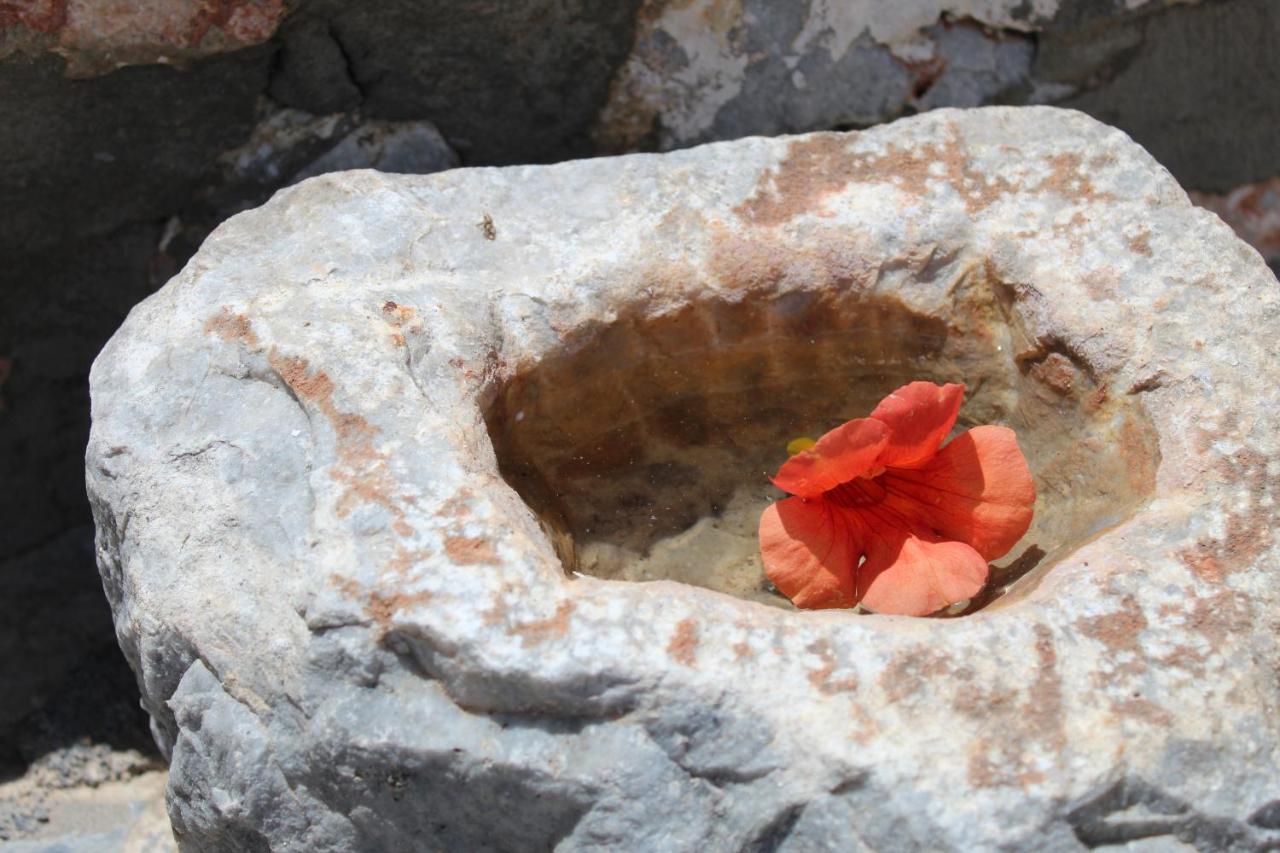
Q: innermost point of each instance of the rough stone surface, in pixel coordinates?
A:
(506, 83)
(85, 157)
(710, 69)
(98, 36)
(353, 633)
(1196, 84)
(124, 127)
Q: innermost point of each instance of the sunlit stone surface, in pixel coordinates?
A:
(364, 470)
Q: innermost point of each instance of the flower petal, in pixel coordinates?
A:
(909, 576)
(809, 550)
(919, 416)
(850, 450)
(977, 490)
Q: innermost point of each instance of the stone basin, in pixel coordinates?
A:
(426, 505)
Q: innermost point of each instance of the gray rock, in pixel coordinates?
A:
(86, 157)
(1194, 83)
(404, 147)
(510, 83)
(1197, 86)
(289, 145)
(708, 70)
(313, 74)
(340, 465)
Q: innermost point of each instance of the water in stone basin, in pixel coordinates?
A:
(644, 446)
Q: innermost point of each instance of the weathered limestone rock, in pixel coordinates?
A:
(340, 464)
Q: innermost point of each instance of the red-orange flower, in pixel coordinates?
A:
(885, 516)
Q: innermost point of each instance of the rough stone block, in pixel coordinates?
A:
(352, 466)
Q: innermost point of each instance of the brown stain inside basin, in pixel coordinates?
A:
(644, 445)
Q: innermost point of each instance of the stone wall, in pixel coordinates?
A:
(126, 137)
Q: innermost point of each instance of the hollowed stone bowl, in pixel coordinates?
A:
(426, 505)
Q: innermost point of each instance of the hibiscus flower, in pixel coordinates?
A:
(885, 516)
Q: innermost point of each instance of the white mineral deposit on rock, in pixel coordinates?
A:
(356, 584)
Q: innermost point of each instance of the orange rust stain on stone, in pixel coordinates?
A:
(346, 586)
(1000, 764)
(232, 328)
(984, 770)
(978, 704)
(383, 607)
(119, 30)
(470, 550)
(361, 468)
(742, 648)
(1183, 657)
(1141, 451)
(316, 387)
(456, 506)
(498, 613)
(1202, 563)
(1043, 710)
(1249, 532)
(1142, 709)
(814, 168)
(1035, 721)
(402, 319)
(911, 670)
(683, 647)
(1140, 243)
(942, 162)
(1118, 631)
(1221, 616)
(404, 559)
(821, 679)
(817, 167)
(1098, 162)
(1072, 229)
(997, 764)
(830, 260)
(1068, 179)
(541, 630)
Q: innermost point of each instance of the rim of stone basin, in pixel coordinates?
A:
(640, 441)
(289, 449)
